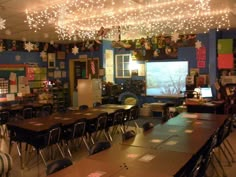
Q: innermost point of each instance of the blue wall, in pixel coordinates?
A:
(209, 40)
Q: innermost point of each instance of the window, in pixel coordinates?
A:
(123, 66)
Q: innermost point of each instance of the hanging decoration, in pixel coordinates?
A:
(85, 18)
(175, 36)
(43, 55)
(29, 46)
(2, 23)
(75, 50)
(93, 70)
(198, 44)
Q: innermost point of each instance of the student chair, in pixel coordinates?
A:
(57, 165)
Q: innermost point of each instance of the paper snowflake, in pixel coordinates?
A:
(75, 50)
(2, 23)
(198, 44)
(43, 54)
(29, 46)
(175, 37)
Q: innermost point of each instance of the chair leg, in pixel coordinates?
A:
(227, 149)
(105, 134)
(220, 165)
(60, 150)
(41, 155)
(226, 156)
(68, 149)
(85, 142)
(213, 165)
(231, 147)
(136, 124)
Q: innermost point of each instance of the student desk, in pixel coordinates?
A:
(161, 151)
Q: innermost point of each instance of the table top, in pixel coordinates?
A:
(66, 118)
(121, 106)
(161, 151)
(198, 119)
(158, 160)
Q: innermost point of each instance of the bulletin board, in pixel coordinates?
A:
(36, 76)
(9, 75)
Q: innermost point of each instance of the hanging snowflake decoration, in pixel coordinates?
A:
(43, 55)
(2, 23)
(198, 44)
(175, 37)
(75, 50)
(29, 46)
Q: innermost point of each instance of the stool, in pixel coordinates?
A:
(5, 164)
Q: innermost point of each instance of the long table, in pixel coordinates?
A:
(161, 151)
(30, 128)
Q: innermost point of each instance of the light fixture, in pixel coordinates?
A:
(127, 18)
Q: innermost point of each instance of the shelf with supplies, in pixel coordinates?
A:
(59, 98)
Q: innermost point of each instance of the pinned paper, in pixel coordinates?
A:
(13, 88)
(225, 61)
(188, 131)
(132, 156)
(10, 97)
(156, 140)
(97, 174)
(171, 143)
(201, 53)
(147, 158)
(88, 114)
(12, 77)
(201, 64)
(191, 116)
(172, 130)
(225, 46)
(198, 122)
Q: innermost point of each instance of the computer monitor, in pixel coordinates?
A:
(206, 92)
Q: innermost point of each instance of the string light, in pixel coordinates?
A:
(82, 19)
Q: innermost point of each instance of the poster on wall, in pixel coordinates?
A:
(51, 60)
(109, 66)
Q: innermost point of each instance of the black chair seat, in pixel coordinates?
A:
(99, 146)
(58, 165)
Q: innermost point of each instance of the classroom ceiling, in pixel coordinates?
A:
(65, 21)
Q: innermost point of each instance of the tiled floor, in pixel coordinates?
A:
(33, 170)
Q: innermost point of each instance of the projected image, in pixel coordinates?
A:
(166, 78)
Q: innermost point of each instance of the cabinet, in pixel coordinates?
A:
(59, 98)
(89, 91)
